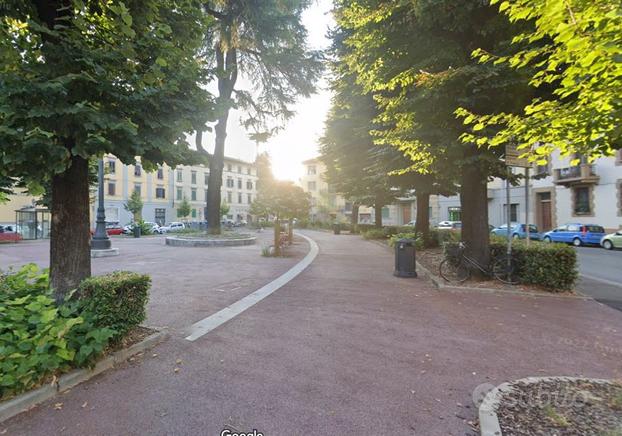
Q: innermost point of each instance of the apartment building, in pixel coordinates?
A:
(558, 193)
(327, 205)
(164, 189)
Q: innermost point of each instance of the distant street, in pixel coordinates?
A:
(601, 275)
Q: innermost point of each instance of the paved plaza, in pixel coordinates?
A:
(343, 348)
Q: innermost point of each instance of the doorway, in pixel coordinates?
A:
(544, 211)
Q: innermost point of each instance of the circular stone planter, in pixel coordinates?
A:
(181, 241)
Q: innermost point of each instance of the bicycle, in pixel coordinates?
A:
(458, 266)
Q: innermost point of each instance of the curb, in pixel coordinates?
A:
(439, 284)
(175, 241)
(30, 399)
(488, 419)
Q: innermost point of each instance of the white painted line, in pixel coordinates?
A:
(208, 324)
(608, 282)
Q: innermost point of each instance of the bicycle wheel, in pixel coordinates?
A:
(454, 271)
(503, 271)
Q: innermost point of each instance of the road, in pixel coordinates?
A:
(601, 275)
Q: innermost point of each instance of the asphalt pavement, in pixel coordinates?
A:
(601, 275)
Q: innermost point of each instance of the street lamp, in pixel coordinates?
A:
(100, 240)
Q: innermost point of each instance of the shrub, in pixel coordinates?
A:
(374, 234)
(410, 235)
(37, 338)
(145, 229)
(117, 301)
(553, 266)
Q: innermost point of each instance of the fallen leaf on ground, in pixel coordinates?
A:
(176, 370)
(85, 404)
(178, 361)
(58, 406)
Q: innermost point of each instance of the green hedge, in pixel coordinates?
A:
(408, 235)
(38, 338)
(552, 266)
(117, 301)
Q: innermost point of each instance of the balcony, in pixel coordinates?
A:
(581, 174)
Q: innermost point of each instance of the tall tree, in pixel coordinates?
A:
(415, 57)
(574, 48)
(265, 41)
(82, 78)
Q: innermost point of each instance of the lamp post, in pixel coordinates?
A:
(100, 240)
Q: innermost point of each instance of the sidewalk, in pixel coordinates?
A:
(344, 348)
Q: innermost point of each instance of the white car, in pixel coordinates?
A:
(172, 227)
(411, 223)
(449, 225)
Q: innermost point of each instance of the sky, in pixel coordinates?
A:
(298, 141)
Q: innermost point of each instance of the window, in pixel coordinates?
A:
(386, 213)
(180, 176)
(311, 171)
(454, 213)
(194, 213)
(249, 197)
(193, 177)
(160, 192)
(160, 173)
(582, 201)
(138, 170)
(311, 186)
(111, 188)
(239, 183)
(248, 170)
(574, 228)
(206, 179)
(137, 188)
(179, 194)
(230, 183)
(239, 197)
(160, 216)
(249, 185)
(239, 169)
(112, 166)
(206, 195)
(229, 167)
(229, 197)
(513, 212)
(193, 194)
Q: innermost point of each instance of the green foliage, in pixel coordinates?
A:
(224, 209)
(283, 200)
(37, 338)
(183, 208)
(145, 229)
(134, 205)
(117, 301)
(572, 50)
(553, 266)
(374, 234)
(440, 237)
(409, 235)
(132, 88)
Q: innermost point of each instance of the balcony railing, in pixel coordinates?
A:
(583, 173)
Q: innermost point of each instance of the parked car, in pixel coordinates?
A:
(611, 241)
(172, 227)
(576, 234)
(411, 223)
(449, 225)
(7, 229)
(129, 229)
(518, 231)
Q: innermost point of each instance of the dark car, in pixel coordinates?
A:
(576, 234)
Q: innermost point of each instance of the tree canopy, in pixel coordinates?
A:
(573, 47)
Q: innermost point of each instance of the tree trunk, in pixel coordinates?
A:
(422, 223)
(354, 219)
(70, 251)
(277, 237)
(378, 215)
(474, 201)
(290, 231)
(216, 165)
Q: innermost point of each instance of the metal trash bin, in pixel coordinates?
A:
(136, 231)
(405, 265)
(337, 228)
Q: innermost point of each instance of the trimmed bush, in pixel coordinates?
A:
(374, 234)
(37, 338)
(117, 301)
(553, 266)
